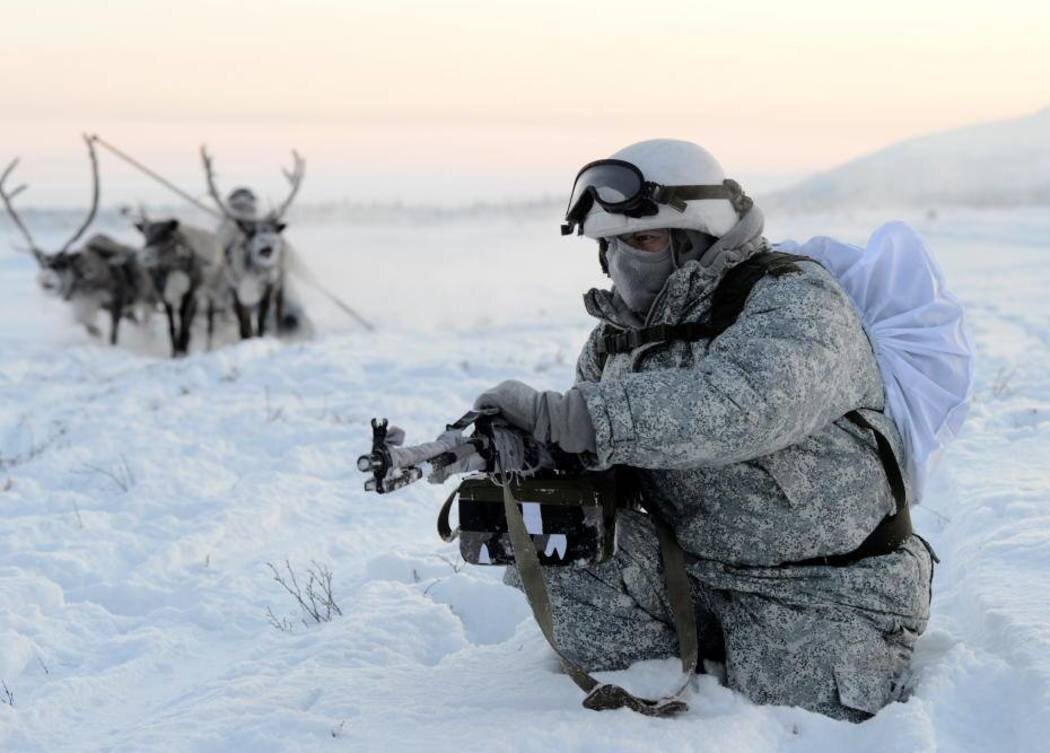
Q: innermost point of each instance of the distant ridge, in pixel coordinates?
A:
(1002, 163)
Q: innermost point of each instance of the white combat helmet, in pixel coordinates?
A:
(670, 162)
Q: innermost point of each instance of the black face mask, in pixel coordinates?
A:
(619, 187)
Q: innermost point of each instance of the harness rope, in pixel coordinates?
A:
(308, 279)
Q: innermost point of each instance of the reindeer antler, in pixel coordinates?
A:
(7, 196)
(295, 177)
(94, 195)
(209, 175)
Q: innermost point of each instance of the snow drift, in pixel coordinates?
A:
(142, 498)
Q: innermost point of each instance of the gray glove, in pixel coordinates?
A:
(550, 417)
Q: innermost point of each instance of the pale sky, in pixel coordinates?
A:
(451, 101)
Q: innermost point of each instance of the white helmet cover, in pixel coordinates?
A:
(669, 162)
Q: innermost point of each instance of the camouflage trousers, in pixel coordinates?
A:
(837, 641)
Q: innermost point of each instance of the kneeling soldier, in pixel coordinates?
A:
(759, 437)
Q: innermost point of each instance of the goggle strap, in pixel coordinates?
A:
(677, 196)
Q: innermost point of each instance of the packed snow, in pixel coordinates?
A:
(142, 500)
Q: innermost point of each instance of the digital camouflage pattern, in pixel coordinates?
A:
(813, 637)
(741, 445)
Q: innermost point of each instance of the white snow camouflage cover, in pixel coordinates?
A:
(917, 329)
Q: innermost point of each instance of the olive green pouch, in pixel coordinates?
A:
(571, 518)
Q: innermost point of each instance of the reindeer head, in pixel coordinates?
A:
(168, 259)
(163, 248)
(262, 242)
(59, 271)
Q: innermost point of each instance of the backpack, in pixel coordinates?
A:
(917, 330)
(915, 325)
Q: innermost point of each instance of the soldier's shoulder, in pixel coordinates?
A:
(795, 275)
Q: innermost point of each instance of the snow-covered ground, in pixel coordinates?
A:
(141, 500)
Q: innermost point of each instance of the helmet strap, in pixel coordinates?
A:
(603, 255)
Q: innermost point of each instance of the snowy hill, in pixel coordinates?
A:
(141, 500)
(1005, 163)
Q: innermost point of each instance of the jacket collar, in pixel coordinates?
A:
(686, 294)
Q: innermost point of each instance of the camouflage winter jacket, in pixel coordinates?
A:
(741, 441)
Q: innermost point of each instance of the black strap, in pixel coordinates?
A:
(894, 529)
(622, 341)
(889, 460)
(677, 196)
(444, 528)
(727, 302)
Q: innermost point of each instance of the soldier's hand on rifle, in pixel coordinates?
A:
(505, 448)
(549, 417)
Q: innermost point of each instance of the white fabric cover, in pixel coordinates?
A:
(669, 162)
(917, 330)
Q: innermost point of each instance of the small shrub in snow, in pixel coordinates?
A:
(121, 474)
(34, 450)
(1001, 384)
(314, 599)
(272, 413)
(6, 696)
(454, 566)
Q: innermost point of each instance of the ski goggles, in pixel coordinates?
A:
(619, 187)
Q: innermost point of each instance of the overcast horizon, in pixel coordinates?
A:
(460, 102)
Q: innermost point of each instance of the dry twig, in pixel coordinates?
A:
(122, 476)
(315, 598)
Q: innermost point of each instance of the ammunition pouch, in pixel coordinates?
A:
(570, 518)
(563, 519)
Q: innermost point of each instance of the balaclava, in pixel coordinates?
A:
(640, 275)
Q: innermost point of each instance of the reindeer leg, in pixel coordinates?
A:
(244, 318)
(187, 311)
(114, 320)
(264, 308)
(169, 311)
(279, 308)
(210, 314)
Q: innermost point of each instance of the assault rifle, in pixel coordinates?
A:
(493, 442)
(546, 512)
(394, 467)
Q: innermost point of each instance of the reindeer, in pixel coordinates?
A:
(256, 257)
(186, 268)
(103, 274)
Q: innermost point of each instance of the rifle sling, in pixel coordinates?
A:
(602, 696)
